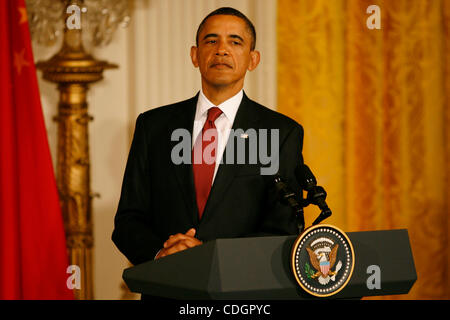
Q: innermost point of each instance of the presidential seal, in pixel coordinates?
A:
(322, 260)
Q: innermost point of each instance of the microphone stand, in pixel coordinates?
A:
(316, 195)
(289, 197)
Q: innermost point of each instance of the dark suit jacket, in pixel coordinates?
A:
(158, 197)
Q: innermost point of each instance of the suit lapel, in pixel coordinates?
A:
(183, 172)
(245, 119)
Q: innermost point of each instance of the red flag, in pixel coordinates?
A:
(33, 255)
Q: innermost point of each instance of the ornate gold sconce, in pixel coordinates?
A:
(74, 70)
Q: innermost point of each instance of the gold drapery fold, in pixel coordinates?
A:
(375, 108)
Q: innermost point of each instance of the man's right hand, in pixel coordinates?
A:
(179, 242)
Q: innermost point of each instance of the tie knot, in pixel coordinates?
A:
(214, 113)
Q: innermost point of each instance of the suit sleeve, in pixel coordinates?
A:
(132, 233)
(278, 218)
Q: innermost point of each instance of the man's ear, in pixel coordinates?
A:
(255, 57)
(194, 59)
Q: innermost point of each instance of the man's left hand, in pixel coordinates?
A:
(179, 242)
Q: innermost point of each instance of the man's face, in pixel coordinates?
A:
(224, 51)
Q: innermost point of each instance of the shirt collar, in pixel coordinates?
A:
(228, 107)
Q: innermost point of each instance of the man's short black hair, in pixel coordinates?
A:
(228, 11)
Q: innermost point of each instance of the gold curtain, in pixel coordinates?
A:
(375, 106)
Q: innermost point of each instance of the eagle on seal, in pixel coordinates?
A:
(322, 264)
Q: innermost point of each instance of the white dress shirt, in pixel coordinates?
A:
(224, 122)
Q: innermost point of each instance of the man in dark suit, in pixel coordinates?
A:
(167, 205)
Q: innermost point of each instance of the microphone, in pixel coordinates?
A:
(287, 196)
(316, 194)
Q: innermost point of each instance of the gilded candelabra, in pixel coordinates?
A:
(73, 70)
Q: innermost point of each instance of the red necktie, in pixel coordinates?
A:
(204, 163)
